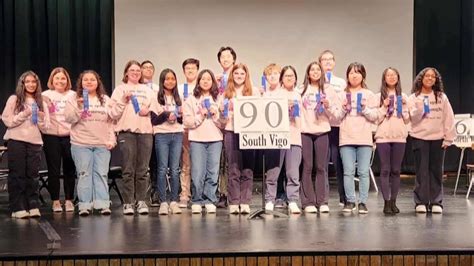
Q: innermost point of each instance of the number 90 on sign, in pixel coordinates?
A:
(262, 115)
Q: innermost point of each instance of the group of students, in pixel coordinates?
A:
(182, 137)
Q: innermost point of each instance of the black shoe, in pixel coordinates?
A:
(363, 209)
(349, 207)
(155, 200)
(387, 207)
(394, 207)
(222, 201)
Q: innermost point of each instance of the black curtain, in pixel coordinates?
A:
(39, 35)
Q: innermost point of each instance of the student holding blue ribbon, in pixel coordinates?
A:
(133, 101)
(358, 113)
(432, 131)
(319, 103)
(391, 135)
(190, 69)
(168, 140)
(24, 143)
(205, 137)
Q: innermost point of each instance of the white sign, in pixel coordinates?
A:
(463, 124)
(262, 123)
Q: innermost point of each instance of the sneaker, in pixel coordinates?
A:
(222, 201)
(84, 212)
(69, 206)
(21, 214)
(174, 208)
(341, 203)
(324, 208)
(105, 211)
(244, 208)
(363, 208)
(128, 209)
(183, 204)
(57, 206)
(310, 209)
(293, 208)
(269, 206)
(234, 209)
(142, 208)
(279, 203)
(420, 208)
(196, 209)
(210, 208)
(154, 200)
(35, 213)
(349, 207)
(164, 209)
(436, 209)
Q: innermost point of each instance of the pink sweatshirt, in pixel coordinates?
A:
(438, 124)
(20, 126)
(392, 128)
(295, 122)
(94, 128)
(127, 119)
(314, 122)
(238, 93)
(201, 129)
(168, 127)
(356, 129)
(56, 102)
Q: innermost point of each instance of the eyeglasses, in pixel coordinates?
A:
(288, 76)
(327, 59)
(148, 67)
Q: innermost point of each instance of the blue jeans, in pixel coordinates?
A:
(349, 156)
(205, 161)
(168, 154)
(92, 166)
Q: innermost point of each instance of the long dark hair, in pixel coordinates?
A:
(100, 91)
(438, 87)
(198, 90)
(384, 86)
(20, 92)
(282, 74)
(358, 68)
(307, 80)
(161, 92)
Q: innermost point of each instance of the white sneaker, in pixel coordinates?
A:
(174, 208)
(183, 204)
(35, 213)
(57, 207)
(310, 209)
(69, 206)
(163, 209)
(142, 208)
(196, 209)
(244, 208)
(420, 208)
(269, 206)
(20, 214)
(234, 209)
(210, 208)
(436, 209)
(128, 209)
(324, 208)
(293, 208)
(105, 211)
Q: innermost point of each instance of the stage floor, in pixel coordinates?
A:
(221, 233)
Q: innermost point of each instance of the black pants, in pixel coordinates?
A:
(58, 149)
(23, 166)
(337, 161)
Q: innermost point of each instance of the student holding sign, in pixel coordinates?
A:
(190, 69)
(135, 137)
(359, 112)
(432, 131)
(241, 162)
(201, 117)
(168, 140)
(57, 143)
(391, 135)
(318, 99)
(24, 115)
(92, 138)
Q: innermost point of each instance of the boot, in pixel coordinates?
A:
(394, 206)
(387, 207)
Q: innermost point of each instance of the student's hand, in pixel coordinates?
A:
(41, 115)
(172, 118)
(80, 102)
(363, 104)
(27, 111)
(386, 102)
(404, 100)
(262, 90)
(346, 105)
(126, 97)
(144, 111)
(444, 146)
(325, 103)
(203, 112)
(214, 111)
(109, 146)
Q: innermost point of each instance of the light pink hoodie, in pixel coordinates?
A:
(392, 128)
(56, 105)
(438, 124)
(201, 129)
(314, 122)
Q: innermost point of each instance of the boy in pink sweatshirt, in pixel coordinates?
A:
(24, 115)
(432, 131)
(92, 138)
